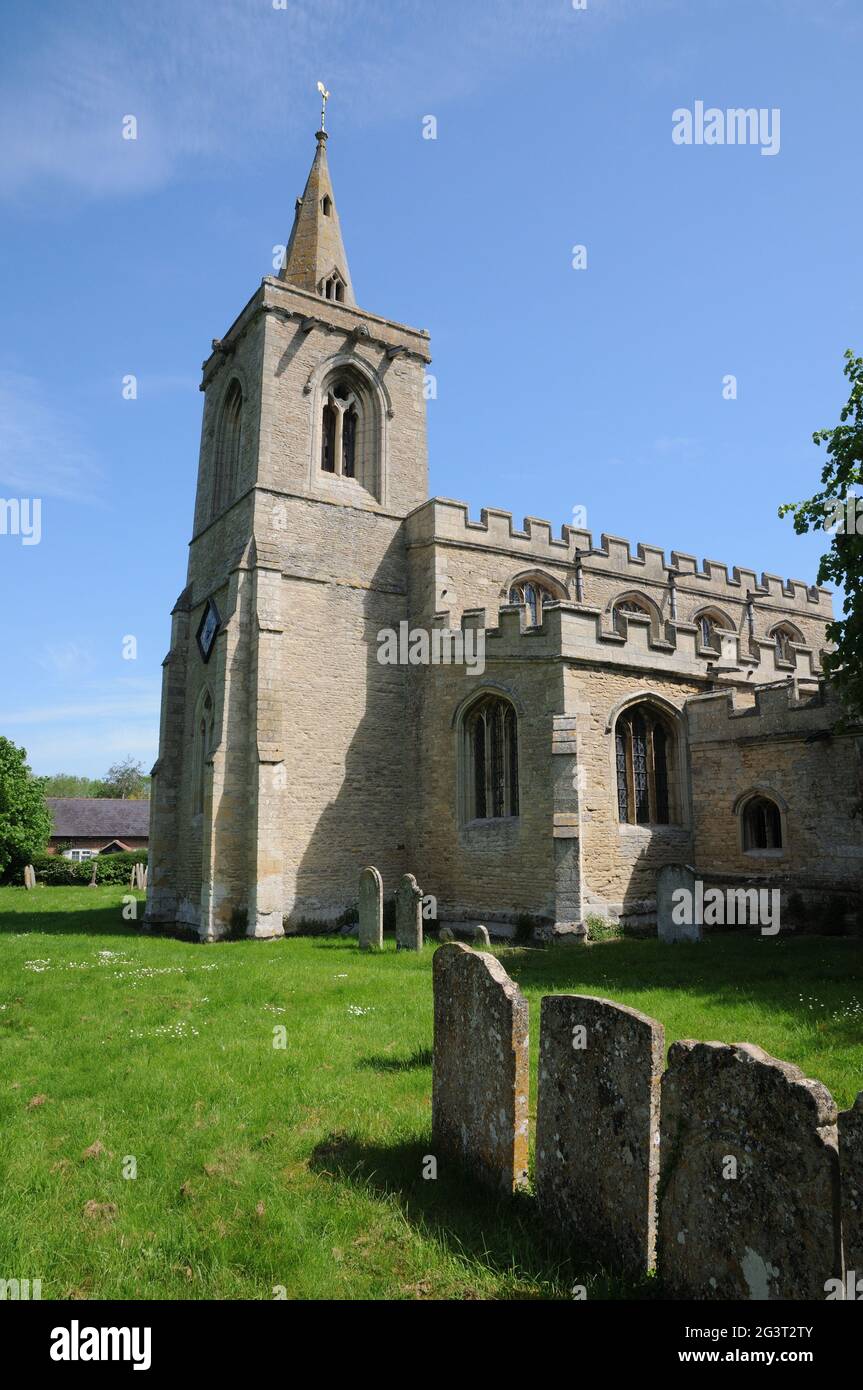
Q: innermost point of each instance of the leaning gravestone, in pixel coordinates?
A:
(409, 916)
(446, 934)
(480, 1067)
(371, 933)
(851, 1170)
(597, 1127)
(749, 1177)
(673, 881)
(480, 936)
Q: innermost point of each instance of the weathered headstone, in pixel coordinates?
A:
(92, 883)
(851, 1171)
(674, 911)
(480, 936)
(597, 1127)
(371, 933)
(409, 915)
(749, 1191)
(29, 876)
(445, 934)
(480, 1069)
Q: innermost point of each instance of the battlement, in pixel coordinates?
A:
(794, 707)
(577, 632)
(446, 522)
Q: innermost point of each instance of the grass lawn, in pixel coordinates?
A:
(301, 1167)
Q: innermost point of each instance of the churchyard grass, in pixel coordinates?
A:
(262, 1169)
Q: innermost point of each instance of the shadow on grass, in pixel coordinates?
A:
(99, 920)
(726, 968)
(422, 1057)
(502, 1235)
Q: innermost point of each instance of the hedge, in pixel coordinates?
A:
(55, 871)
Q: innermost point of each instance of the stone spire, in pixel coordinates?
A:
(315, 258)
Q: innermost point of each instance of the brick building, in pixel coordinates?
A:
(83, 826)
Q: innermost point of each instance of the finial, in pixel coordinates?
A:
(325, 96)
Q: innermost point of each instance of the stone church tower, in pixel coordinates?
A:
(281, 760)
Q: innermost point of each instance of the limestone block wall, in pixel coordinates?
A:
(785, 743)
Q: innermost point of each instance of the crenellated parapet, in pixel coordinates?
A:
(791, 707)
(580, 633)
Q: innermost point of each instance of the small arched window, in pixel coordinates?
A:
(762, 824)
(203, 735)
(228, 443)
(784, 636)
(340, 430)
(646, 766)
(490, 760)
(532, 596)
(636, 606)
(326, 205)
(333, 287)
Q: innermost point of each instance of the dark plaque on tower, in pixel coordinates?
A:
(208, 629)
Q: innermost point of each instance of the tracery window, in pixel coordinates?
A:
(490, 760)
(340, 431)
(532, 596)
(628, 605)
(784, 636)
(203, 733)
(645, 766)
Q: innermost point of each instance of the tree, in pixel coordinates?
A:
(125, 779)
(838, 511)
(68, 784)
(25, 821)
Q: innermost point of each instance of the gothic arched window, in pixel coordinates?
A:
(711, 624)
(639, 607)
(532, 596)
(228, 442)
(340, 430)
(333, 287)
(784, 636)
(203, 734)
(646, 767)
(490, 760)
(762, 824)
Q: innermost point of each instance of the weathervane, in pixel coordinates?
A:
(325, 96)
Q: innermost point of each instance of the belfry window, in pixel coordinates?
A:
(531, 596)
(645, 750)
(340, 431)
(490, 760)
(762, 824)
(333, 288)
(227, 454)
(327, 205)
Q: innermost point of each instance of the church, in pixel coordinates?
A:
(629, 710)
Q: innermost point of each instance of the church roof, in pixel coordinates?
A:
(315, 258)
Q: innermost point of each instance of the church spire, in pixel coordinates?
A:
(315, 258)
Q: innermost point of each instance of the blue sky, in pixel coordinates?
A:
(557, 387)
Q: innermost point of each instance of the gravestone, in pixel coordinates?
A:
(29, 876)
(409, 915)
(851, 1171)
(371, 933)
(480, 1068)
(92, 883)
(670, 879)
(749, 1177)
(445, 934)
(597, 1127)
(480, 936)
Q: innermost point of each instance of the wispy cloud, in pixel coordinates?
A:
(203, 80)
(110, 707)
(64, 658)
(41, 453)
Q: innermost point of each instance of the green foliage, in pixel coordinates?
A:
(25, 821)
(69, 784)
(841, 479)
(124, 779)
(601, 928)
(54, 871)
